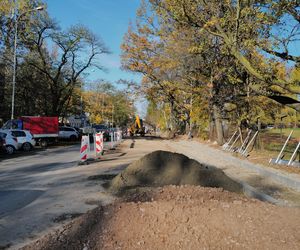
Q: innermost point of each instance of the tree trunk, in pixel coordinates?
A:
(211, 136)
(218, 125)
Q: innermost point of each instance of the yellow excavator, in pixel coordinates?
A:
(137, 127)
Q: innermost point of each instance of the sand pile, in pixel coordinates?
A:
(161, 168)
(180, 217)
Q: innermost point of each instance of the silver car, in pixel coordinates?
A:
(25, 140)
(10, 143)
(68, 133)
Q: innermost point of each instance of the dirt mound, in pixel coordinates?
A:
(161, 168)
(180, 217)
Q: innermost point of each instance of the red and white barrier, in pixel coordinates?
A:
(84, 148)
(98, 144)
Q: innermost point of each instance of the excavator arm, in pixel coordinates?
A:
(137, 127)
(138, 122)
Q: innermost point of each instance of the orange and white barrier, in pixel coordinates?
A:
(99, 144)
(84, 148)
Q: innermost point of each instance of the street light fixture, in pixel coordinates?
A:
(39, 8)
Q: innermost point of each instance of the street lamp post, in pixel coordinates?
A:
(15, 56)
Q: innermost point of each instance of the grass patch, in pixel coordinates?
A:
(285, 132)
(273, 141)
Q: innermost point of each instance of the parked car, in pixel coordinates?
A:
(10, 142)
(68, 133)
(44, 129)
(25, 139)
(100, 127)
(2, 145)
(79, 131)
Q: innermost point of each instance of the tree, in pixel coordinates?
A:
(244, 27)
(208, 53)
(73, 52)
(178, 65)
(147, 52)
(105, 104)
(50, 62)
(7, 31)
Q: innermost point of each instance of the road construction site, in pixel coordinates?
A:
(200, 198)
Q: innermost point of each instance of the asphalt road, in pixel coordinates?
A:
(40, 189)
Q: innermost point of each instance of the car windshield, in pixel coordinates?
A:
(99, 127)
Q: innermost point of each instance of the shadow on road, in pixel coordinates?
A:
(146, 137)
(17, 154)
(42, 168)
(260, 184)
(55, 149)
(12, 200)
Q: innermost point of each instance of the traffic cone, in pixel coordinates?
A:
(84, 149)
(98, 145)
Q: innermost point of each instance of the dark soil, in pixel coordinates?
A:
(65, 217)
(101, 177)
(161, 168)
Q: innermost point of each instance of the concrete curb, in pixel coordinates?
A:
(254, 193)
(278, 176)
(287, 180)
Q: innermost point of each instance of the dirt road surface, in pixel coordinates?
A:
(185, 217)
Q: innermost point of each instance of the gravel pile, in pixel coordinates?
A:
(161, 168)
(180, 217)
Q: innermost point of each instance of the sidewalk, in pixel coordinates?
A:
(284, 187)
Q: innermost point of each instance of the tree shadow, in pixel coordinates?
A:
(12, 200)
(146, 137)
(266, 188)
(45, 167)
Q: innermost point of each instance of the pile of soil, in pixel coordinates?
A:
(161, 168)
(180, 217)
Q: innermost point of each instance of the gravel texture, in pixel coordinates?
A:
(180, 217)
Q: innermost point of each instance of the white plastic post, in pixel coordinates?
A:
(294, 154)
(234, 142)
(245, 151)
(226, 145)
(245, 141)
(116, 137)
(284, 145)
(111, 140)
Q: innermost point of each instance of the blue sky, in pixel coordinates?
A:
(109, 19)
